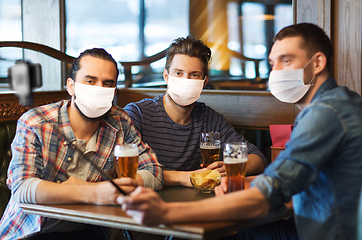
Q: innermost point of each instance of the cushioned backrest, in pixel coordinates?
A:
(7, 133)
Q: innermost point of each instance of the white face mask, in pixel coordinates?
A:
(93, 101)
(184, 91)
(287, 85)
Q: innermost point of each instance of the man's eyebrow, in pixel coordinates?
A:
(286, 56)
(90, 76)
(282, 56)
(110, 80)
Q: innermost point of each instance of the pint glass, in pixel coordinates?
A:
(235, 159)
(126, 157)
(210, 147)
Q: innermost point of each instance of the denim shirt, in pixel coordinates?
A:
(321, 166)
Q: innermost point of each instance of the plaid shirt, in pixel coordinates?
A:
(42, 148)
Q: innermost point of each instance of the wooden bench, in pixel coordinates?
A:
(241, 109)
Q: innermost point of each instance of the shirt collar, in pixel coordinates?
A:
(329, 84)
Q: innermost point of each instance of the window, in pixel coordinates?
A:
(127, 29)
(10, 30)
(133, 29)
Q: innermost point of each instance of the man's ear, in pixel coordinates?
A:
(320, 62)
(70, 86)
(165, 75)
(206, 80)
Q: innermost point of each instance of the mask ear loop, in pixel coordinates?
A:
(310, 82)
(74, 89)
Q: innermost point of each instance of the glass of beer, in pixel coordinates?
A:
(210, 147)
(126, 157)
(235, 158)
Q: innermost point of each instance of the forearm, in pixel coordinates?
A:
(173, 178)
(55, 193)
(240, 205)
(255, 165)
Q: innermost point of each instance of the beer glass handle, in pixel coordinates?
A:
(104, 174)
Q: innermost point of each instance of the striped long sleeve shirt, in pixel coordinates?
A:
(178, 146)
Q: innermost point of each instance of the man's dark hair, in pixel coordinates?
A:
(191, 47)
(94, 52)
(314, 40)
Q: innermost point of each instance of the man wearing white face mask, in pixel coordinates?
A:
(45, 167)
(171, 123)
(320, 168)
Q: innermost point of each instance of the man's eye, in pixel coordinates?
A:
(196, 76)
(286, 61)
(108, 85)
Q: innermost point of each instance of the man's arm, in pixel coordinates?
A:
(255, 165)
(75, 190)
(173, 178)
(146, 207)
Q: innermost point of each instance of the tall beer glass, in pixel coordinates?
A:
(210, 147)
(126, 157)
(235, 159)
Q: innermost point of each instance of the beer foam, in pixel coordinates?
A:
(234, 160)
(130, 152)
(209, 147)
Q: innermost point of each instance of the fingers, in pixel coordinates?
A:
(224, 184)
(219, 166)
(214, 165)
(134, 200)
(126, 181)
(219, 191)
(144, 205)
(222, 188)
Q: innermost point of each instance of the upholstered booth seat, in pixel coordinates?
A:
(7, 133)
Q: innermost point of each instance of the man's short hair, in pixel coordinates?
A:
(314, 39)
(191, 47)
(94, 52)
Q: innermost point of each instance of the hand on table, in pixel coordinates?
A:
(223, 188)
(145, 206)
(106, 193)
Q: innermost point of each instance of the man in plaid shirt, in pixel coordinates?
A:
(46, 169)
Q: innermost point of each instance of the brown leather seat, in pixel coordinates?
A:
(7, 133)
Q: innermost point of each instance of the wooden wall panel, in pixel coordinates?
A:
(315, 11)
(342, 21)
(348, 41)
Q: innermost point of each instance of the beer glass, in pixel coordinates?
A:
(126, 157)
(235, 158)
(210, 147)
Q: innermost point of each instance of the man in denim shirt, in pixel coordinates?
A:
(321, 166)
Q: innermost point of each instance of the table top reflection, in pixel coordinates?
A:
(115, 217)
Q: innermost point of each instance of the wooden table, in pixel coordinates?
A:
(113, 216)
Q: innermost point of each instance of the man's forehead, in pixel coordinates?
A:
(286, 46)
(181, 61)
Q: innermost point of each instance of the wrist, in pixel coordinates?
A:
(177, 178)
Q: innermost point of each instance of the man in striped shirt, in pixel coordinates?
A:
(45, 167)
(171, 123)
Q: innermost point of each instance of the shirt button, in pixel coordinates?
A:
(69, 159)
